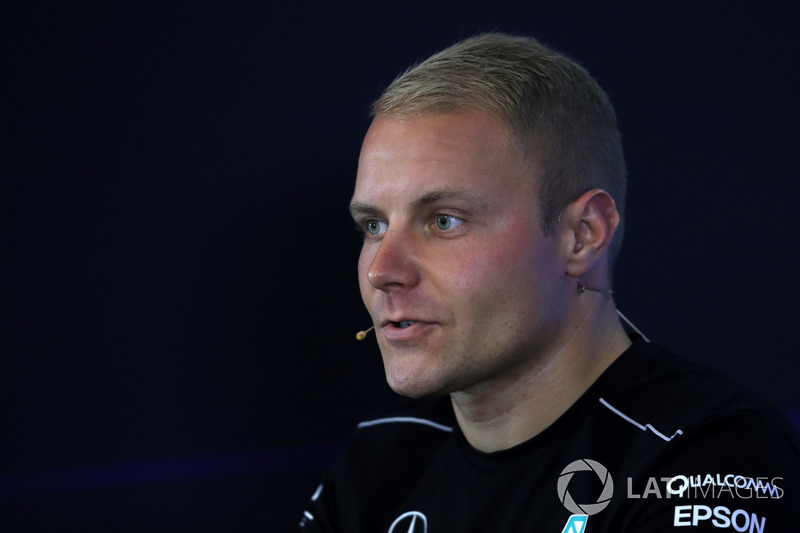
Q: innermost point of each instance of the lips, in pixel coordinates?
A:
(405, 329)
(401, 322)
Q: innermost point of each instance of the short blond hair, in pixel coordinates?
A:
(561, 118)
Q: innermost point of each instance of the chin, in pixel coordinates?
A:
(413, 386)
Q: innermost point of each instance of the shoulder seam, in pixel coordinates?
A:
(643, 427)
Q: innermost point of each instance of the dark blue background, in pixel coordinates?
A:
(178, 265)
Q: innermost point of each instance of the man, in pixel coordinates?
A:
(490, 190)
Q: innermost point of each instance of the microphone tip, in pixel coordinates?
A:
(361, 335)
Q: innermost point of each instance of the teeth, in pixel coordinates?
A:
(406, 323)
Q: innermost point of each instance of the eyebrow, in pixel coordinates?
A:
(430, 197)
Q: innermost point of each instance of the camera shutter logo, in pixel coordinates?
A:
(585, 465)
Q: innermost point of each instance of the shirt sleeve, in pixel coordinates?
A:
(319, 514)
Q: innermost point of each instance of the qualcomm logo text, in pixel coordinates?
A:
(711, 486)
(743, 487)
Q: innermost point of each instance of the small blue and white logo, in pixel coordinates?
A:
(576, 524)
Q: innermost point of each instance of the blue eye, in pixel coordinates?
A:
(446, 222)
(375, 227)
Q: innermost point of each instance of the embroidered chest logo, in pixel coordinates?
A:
(410, 522)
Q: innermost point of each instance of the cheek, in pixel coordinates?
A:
(487, 270)
(502, 281)
(482, 293)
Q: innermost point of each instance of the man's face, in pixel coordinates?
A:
(463, 287)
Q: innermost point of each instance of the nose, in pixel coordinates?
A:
(394, 263)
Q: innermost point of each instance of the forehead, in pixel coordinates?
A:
(457, 151)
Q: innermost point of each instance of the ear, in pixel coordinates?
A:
(589, 225)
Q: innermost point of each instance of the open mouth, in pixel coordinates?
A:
(404, 323)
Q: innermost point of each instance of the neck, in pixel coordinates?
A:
(506, 413)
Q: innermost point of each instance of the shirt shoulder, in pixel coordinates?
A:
(406, 431)
(388, 453)
(666, 396)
